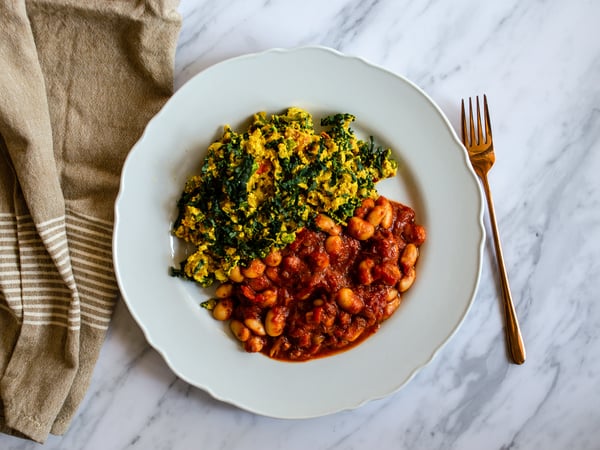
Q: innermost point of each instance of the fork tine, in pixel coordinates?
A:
(479, 127)
(486, 118)
(463, 122)
(471, 124)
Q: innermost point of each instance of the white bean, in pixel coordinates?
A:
(409, 255)
(239, 330)
(376, 215)
(360, 229)
(407, 280)
(236, 275)
(255, 269)
(223, 309)
(225, 290)
(326, 224)
(391, 307)
(349, 301)
(275, 322)
(255, 326)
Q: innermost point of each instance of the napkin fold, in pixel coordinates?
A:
(79, 80)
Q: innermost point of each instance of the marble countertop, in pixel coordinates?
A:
(539, 64)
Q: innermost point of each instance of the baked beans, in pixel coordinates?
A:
(329, 289)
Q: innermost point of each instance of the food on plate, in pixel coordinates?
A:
(329, 289)
(308, 257)
(256, 189)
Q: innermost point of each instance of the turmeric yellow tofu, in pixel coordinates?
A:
(257, 188)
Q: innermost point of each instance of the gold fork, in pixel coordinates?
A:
(481, 154)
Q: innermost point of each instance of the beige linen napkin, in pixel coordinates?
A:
(79, 80)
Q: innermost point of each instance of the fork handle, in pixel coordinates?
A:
(516, 347)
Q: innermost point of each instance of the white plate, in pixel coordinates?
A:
(434, 178)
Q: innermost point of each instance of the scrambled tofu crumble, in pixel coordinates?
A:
(256, 189)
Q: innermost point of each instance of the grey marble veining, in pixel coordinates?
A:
(539, 64)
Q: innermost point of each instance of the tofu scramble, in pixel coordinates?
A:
(258, 189)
